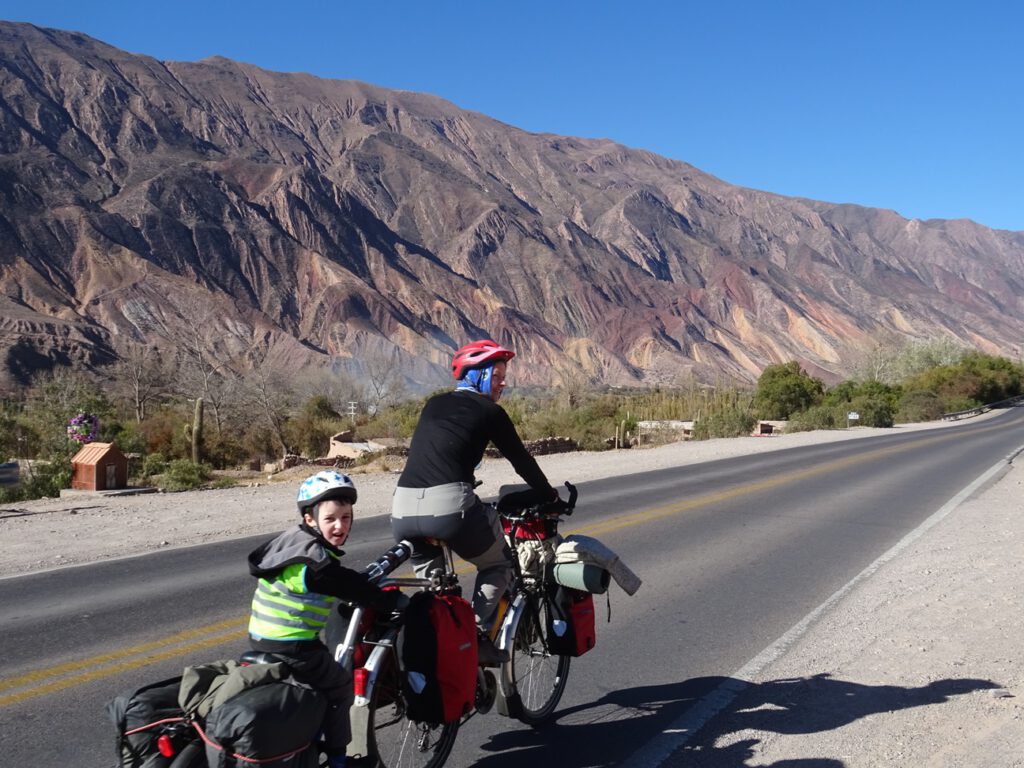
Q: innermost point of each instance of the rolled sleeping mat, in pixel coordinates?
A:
(585, 577)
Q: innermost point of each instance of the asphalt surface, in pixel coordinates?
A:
(734, 553)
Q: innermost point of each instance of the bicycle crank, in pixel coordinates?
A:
(486, 690)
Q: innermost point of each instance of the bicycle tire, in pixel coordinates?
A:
(192, 756)
(396, 741)
(538, 676)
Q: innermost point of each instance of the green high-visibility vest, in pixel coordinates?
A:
(284, 609)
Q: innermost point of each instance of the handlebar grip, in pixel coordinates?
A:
(573, 493)
(388, 561)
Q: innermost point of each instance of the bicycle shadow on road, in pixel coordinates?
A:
(610, 730)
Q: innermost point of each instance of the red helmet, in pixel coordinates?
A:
(477, 354)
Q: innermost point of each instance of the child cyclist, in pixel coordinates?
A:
(300, 581)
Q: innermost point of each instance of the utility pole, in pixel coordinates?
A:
(352, 410)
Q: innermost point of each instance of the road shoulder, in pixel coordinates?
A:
(922, 664)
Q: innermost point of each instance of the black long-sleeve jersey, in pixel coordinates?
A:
(453, 432)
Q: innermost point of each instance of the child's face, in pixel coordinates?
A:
(335, 521)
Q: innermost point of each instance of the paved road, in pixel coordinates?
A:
(733, 554)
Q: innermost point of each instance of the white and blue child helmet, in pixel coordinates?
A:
(323, 486)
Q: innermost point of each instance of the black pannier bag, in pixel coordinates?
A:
(138, 717)
(274, 725)
(571, 625)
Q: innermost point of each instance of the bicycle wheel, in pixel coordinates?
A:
(397, 741)
(538, 676)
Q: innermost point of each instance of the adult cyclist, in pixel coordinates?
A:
(435, 496)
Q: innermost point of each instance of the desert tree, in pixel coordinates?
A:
(336, 385)
(384, 382)
(890, 358)
(142, 376)
(878, 361)
(267, 390)
(572, 389)
(208, 350)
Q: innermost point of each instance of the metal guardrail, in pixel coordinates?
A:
(1008, 403)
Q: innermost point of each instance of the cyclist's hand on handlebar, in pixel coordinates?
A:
(557, 505)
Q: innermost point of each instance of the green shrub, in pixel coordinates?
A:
(817, 417)
(154, 464)
(9, 447)
(848, 391)
(919, 405)
(41, 479)
(957, 403)
(185, 475)
(725, 423)
(393, 421)
(127, 434)
(223, 450)
(975, 380)
(785, 389)
(591, 436)
(874, 411)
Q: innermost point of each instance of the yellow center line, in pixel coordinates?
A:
(94, 661)
(660, 513)
(99, 674)
(103, 665)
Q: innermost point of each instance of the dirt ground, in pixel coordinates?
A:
(919, 664)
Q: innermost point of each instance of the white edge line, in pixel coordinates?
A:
(678, 733)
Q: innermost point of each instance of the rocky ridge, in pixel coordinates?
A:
(291, 218)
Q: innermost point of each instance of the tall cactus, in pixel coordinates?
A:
(194, 431)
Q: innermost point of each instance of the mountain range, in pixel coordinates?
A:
(289, 219)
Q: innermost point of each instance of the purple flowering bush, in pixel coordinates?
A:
(83, 428)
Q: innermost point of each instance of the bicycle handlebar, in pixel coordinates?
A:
(509, 509)
(388, 561)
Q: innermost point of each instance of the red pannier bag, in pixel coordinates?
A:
(537, 529)
(571, 630)
(439, 657)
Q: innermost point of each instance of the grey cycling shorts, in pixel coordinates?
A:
(450, 512)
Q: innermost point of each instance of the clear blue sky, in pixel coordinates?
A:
(915, 106)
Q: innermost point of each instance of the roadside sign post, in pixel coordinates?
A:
(851, 416)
